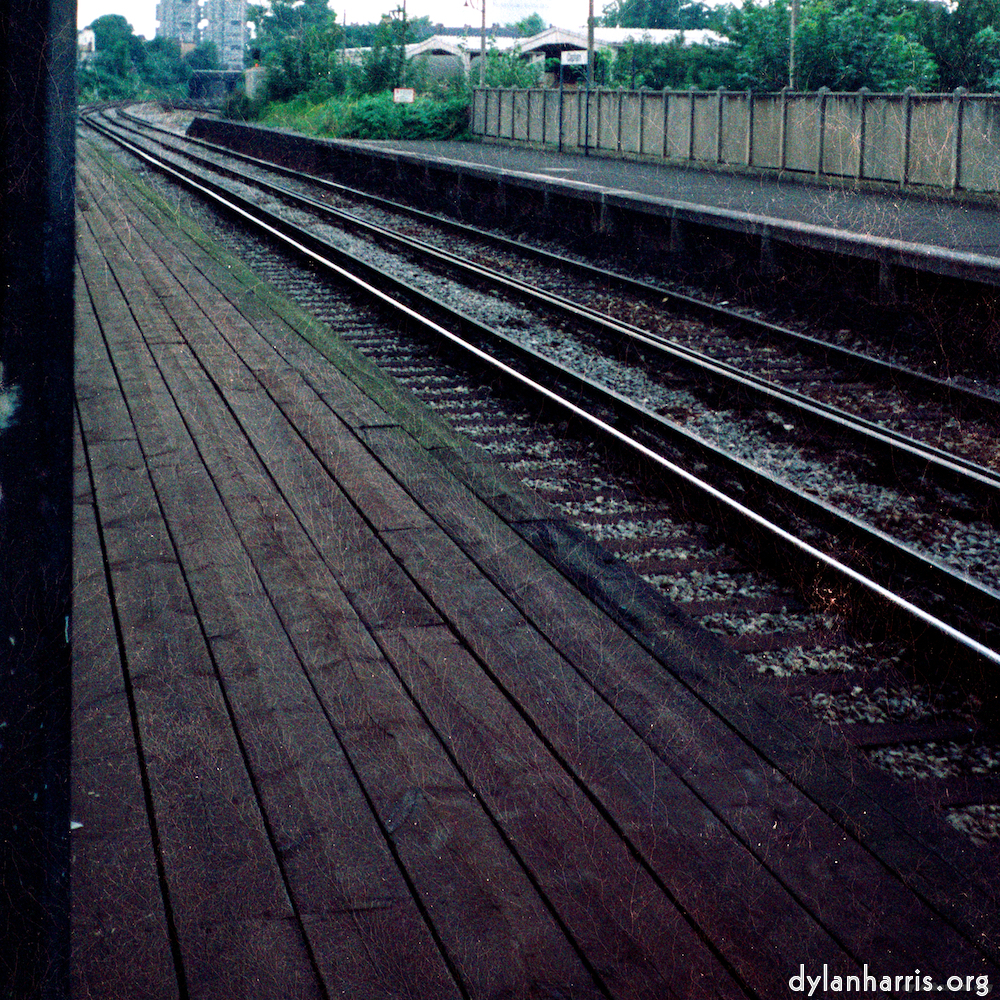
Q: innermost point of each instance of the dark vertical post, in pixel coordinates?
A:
(820, 129)
(862, 128)
(904, 169)
(560, 106)
(956, 145)
(783, 141)
(37, 108)
(691, 92)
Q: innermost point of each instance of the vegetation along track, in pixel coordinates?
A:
(848, 558)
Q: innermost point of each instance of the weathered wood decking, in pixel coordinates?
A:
(339, 731)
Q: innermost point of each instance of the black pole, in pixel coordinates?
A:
(560, 106)
(37, 107)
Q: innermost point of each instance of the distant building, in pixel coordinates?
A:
(448, 51)
(178, 19)
(227, 25)
(223, 22)
(86, 44)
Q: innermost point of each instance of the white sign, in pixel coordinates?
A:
(403, 95)
(574, 57)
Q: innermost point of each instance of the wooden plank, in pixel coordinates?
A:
(366, 498)
(238, 645)
(769, 816)
(705, 969)
(218, 864)
(475, 958)
(120, 938)
(639, 702)
(392, 755)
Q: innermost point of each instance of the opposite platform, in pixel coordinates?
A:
(340, 731)
(665, 208)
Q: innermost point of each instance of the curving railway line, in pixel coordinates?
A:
(832, 516)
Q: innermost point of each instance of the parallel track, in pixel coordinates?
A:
(643, 433)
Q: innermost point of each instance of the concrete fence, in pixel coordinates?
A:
(944, 141)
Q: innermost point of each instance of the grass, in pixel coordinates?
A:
(373, 117)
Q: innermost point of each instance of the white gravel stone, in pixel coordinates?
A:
(980, 822)
(938, 760)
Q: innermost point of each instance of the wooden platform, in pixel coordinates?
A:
(339, 731)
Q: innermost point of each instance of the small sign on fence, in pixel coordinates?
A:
(403, 95)
(573, 57)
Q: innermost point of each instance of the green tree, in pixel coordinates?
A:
(110, 29)
(165, 69)
(300, 44)
(643, 14)
(530, 26)
(645, 64)
(962, 39)
(383, 66)
(840, 44)
(113, 73)
(203, 56)
(858, 46)
(507, 68)
(759, 35)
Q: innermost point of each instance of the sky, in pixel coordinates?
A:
(141, 14)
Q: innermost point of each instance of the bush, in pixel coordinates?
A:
(374, 117)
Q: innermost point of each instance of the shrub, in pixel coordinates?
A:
(374, 117)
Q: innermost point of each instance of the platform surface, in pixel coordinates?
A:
(945, 223)
(340, 731)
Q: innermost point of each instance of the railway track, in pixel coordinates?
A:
(869, 631)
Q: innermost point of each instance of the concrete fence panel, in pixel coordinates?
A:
(479, 99)
(520, 121)
(842, 134)
(768, 131)
(679, 118)
(946, 142)
(737, 114)
(932, 141)
(505, 128)
(571, 134)
(980, 151)
(885, 132)
(605, 129)
(653, 123)
(631, 120)
(706, 128)
(801, 147)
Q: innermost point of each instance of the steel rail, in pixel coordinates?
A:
(800, 551)
(986, 404)
(896, 447)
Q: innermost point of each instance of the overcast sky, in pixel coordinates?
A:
(141, 14)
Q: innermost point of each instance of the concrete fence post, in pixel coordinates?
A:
(862, 125)
(691, 94)
(783, 130)
(820, 128)
(666, 124)
(618, 141)
(719, 105)
(958, 99)
(904, 171)
(749, 145)
(642, 120)
(597, 127)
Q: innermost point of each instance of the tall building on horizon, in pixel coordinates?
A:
(178, 19)
(223, 22)
(227, 27)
